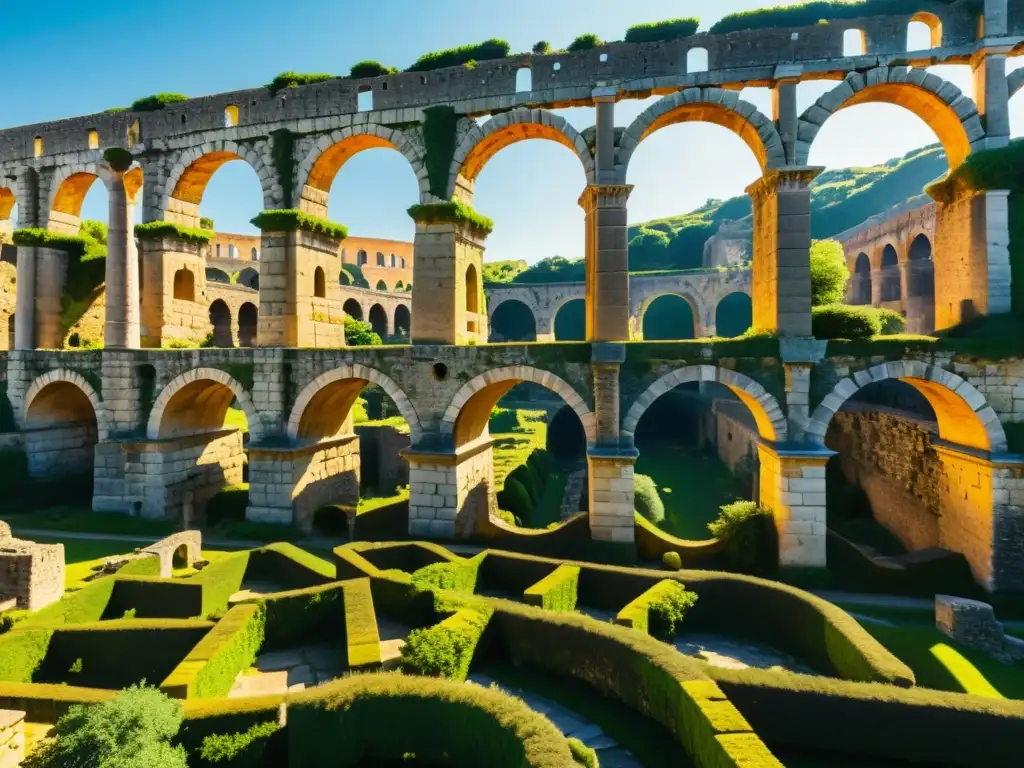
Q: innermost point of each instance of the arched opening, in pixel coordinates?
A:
(220, 320)
(185, 285)
(60, 434)
(380, 259)
(94, 139)
(920, 286)
(669, 317)
(891, 283)
(250, 278)
(353, 309)
(512, 320)
(924, 32)
(403, 321)
(532, 487)
(472, 290)
(524, 80)
(382, 286)
(571, 321)
(379, 320)
(319, 283)
(248, 317)
(696, 60)
(860, 285)
(566, 440)
(214, 275)
(854, 43)
(221, 186)
(230, 116)
(734, 315)
(364, 99)
(361, 259)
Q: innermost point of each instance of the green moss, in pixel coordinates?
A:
(157, 230)
(657, 31)
(283, 153)
(157, 101)
(295, 79)
(293, 219)
(455, 212)
(815, 12)
(439, 136)
(454, 57)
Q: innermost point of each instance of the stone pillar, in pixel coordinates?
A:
(165, 316)
(782, 250)
(799, 356)
(25, 300)
(450, 493)
(289, 484)
(545, 322)
(877, 282)
(792, 486)
(971, 253)
(449, 307)
(991, 92)
(607, 262)
(995, 21)
(610, 459)
(123, 329)
(905, 277)
(785, 114)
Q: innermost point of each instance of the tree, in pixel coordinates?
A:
(133, 730)
(541, 47)
(828, 273)
(359, 333)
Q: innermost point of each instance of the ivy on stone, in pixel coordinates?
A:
(283, 154)
(290, 220)
(455, 212)
(157, 101)
(439, 136)
(295, 79)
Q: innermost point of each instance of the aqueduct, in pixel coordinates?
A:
(151, 420)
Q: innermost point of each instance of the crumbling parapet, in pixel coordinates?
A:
(30, 574)
(973, 623)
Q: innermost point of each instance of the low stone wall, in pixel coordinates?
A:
(31, 574)
(61, 451)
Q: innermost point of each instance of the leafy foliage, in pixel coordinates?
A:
(749, 533)
(359, 333)
(370, 68)
(557, 591)
(157, 230)
(157, 101)
(454, 57)
(514, 498)
(585, 42)
(133, 730)
(295, 79)
(672, 561)
(503, 271)
(829, 274)
(541, 47)
(454, 211)
(656, 31)
(239, 749)
(293, 219)
(841, 321)
(205, 222)
(814, 13)
(668, 610)
(445, 649)
(647, 500)
(582, 754)
(439, 134)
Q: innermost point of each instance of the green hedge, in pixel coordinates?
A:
(585, 42)
(659, 610)
(220, 580)
(206, 718)
(288, 566)
(263, 744)
(210, 668)
(446, 649)
(314, 614)
(528, 479)
(157, 101)
(454, 212)
(647, 499)
(228, 505)
(154, 598)
(291, 220)
(157, 230)
(295, 79)
(370, 69)
(22, 652)
(47, 703)
(456, 575)
(387, 523)
(514, 498)
(86, 605)
(454, 57)
(361, 635)
(73, 245)
(652, 543)
(657, 31)
(556, 591)
(839, 321)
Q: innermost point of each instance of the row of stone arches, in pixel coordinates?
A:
(400, 323)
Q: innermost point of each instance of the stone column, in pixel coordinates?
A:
(792, 486)
(782, 250)
(123, 330)
(450, 492)
(607, 258)
(992, 94)
(905, 277)
(784, 112)
(25, 300)
(877, 282)
(446, 309)
(610, 459)
(799, 356)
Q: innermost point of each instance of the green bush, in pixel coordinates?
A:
(157, 230)
(657, 31)
(295, 79)
(458, 575)
(504, 420)
(585, 42)
(891, 321)
(829, 273)
(359, 333)
(582, 754)
(514, 498)
(133, 730)
(541, 47)
(668, 610)
(542, 463)
(556, 591)
(205, 222)
(446, 649)
(672, 561)
(647, 500)
(454, 212)
(751, 543)
(813, 13)
(290, 220)
(83, 606)
(313, 614)
(839, 321)
(157, 102)
(220, 580)
(22, 653)
(454, 57)
(228, 505)
(528, 479)
(249, 749)
(370, 69)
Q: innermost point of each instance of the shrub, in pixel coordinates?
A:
(526, 477)
(541, 47)
(582, 754)
(455, 212)
(749, 534)
(892, 322)
(542, 463)
(370, 69)
(657, 31)
(647, 500)
(515, 498)
(584, 43)
(359, 333)
(454, 57)
(457, 575)
(672, 561)
(839, 321)
(556, 591)
(446, 649)
(133, 730)
(829, 273)
(228, 505)
(157, 102)
(504, 420)
(295, 79)
(248, 748)
(289, 220)
(205, 222)
(668, 610)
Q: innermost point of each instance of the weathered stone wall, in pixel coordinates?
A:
(60, 451)
(31, 574)
(735, 437)
(380, 448)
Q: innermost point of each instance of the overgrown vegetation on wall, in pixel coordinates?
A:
(157, 101)
(454, 57)
(295, 79)
(657, 31)
(816, 12)
(439, 125)
(454, 212)
(158, 230)
(293, 219)
(371, 68)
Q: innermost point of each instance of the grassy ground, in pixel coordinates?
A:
(370, 503)
(693, 486)
(512, 448)
(83, 520)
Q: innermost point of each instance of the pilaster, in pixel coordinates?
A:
(792, 486)
(785, 115)
(450, 493)
(607, 261)
(165, 314)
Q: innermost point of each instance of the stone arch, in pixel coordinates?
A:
(185, 285)
(62, 376)
(320, 167)
(934, 24)
(892, 284)
(483, 142)
(205, 387)
(319, 283)
(963, 414)
(220, 322)
(708, 105)
(7, 201)
(948, 112)
(195, 166)
(695, 303)
(318, 392)
(250, 278)
(403, 319)
(562, 305)
(508, 310)
(768, 415)
(378, 319)
(353, 309)
(248, 320)
(69, 187)
(470, 409)
(215, 275)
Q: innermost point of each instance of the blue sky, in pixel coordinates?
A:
(87, 57)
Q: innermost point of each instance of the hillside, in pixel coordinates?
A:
(840, 199)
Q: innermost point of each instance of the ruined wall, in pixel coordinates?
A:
(31, 574)
(383, 467)
(61, 451)
(735, 438)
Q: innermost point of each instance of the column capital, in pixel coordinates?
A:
(605, 93)
(604, 195)
(789, 178)
(990, 47)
